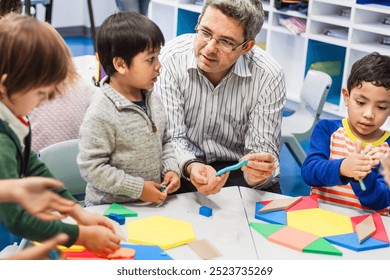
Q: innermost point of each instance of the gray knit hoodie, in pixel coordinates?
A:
(120, 147)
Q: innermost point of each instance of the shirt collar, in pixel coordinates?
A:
(20, 129)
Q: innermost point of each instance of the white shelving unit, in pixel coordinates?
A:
(362, 25)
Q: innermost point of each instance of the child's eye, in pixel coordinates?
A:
(382, 108)
(359, 103)
(151, 59)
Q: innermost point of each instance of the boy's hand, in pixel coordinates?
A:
(386, 169)
(98, 239)
(172, 181)
(83, 217)
(42, 251)
(358, 164)
(35, 195)
(152, 193)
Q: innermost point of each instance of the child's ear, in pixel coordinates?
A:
(345, 95)
(119, 65)
(3, 89)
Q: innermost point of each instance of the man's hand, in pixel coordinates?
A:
(259, 168)
(203, 178)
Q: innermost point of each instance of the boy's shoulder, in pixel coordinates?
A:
(330, 123)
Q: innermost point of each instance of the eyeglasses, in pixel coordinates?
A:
(222, 44)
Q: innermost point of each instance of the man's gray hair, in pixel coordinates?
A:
(248, 12)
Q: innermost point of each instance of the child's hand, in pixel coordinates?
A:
(98, 239)
(83, 217)
(172, 181)
(42, 251)
(152, 193)
(358, 164)
(386, 169)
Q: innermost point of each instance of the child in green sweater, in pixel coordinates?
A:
(35, 64)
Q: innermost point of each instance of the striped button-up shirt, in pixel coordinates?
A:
(241, 115)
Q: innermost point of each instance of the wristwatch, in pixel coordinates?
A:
(185, 173)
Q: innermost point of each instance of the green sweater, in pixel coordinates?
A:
(15, 163)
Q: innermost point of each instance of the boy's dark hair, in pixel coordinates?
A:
(124, 35)
(10, 6)
(373, 68)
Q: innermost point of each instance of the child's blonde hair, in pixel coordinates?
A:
(33, 55)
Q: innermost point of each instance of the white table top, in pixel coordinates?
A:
(242, 242)
(267, 250)
(232, 245)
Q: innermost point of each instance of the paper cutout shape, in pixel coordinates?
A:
(365, 229)
(280, 204)
(334, 228)
(321, 246)
(293, 238)
(282, 237)
(351, 241)
(148, 252)
(380, 233)
(161, 231)
(120, 210)
(276, 217)
(120, 254)
(266, 229)
(320, 222)
(204, 249)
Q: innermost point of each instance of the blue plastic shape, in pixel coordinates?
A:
(118, 218)
(232, 167)
(205, 211)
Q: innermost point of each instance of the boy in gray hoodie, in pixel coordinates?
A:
(125, 147)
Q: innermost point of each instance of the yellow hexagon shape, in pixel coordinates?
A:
(160, 231)
(319, 222)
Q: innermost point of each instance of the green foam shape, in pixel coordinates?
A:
(322, 246)
(266, 229)
(120, 210)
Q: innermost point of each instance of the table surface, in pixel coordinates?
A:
(242, 242)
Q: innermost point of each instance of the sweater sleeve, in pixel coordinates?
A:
(377, 193)
(318, 169)
(15, 218)
(21, 223)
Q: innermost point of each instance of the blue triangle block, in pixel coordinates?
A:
(275, 217)
(148, 252)
(351, 241)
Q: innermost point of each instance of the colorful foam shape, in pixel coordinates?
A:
(120, 254)
(380, 232)
(293, 238)
(280, 204)
(319, 222)
(322, 246)
(117, 218)
(351, 241)
(161, 231)
(148, 252)
(119, 209)
(276, 217)
(365, 229)
(266, 229)
(307, 202)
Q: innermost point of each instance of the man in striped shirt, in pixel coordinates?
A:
(224, 98)
(343, 157)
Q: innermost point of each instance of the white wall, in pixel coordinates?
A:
(67, 13)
